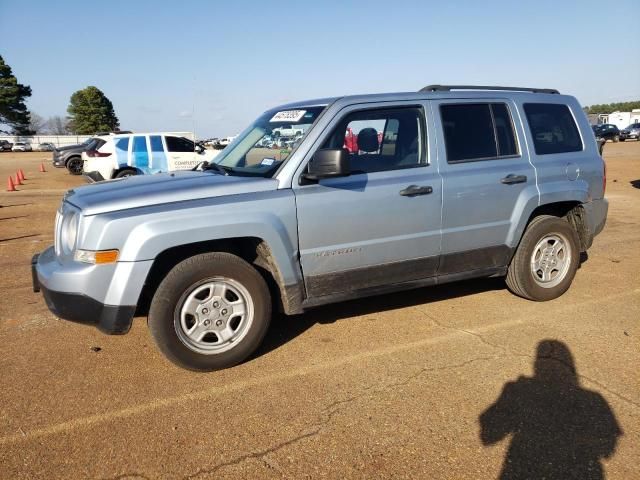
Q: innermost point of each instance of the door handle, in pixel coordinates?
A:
(415, 190)
(511, 179)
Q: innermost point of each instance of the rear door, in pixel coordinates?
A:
(486, 171)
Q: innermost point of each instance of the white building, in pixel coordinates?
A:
(624, 119)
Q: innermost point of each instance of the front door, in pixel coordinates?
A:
(380, 225)
(181, 153)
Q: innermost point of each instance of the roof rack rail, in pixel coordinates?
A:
(448, 88)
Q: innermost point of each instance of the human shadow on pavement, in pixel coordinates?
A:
(635, 183)
(559, 430)
(285, 328)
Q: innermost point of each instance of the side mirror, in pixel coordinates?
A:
(199, 148)
(328, 163)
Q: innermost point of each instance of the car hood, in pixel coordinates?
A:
(147, 190)
(79, 146)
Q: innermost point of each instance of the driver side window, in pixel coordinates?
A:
(379, 140)
(179, 144)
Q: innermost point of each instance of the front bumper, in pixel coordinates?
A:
(93, 177)
(57, 161)
(78, 307)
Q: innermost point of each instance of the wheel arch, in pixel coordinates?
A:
(74, 156)
(115, 172)
(253, 250)
(571, 210)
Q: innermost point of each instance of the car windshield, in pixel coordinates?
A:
(261, 148)
(633, 125)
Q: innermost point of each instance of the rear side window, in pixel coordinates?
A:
(179, 144)
(156, 143)
(478, 131)
(553, 128)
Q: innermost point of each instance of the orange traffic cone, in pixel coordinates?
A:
(21, 173)
(10, 186)
(42, 170)
(18, 182)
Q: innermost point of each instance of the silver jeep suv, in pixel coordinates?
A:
(377, 193)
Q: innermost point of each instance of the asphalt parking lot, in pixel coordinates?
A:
(458, 381)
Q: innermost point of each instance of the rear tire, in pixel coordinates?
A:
(75, 165)
(126, 173)
(546, 260)
(210, 312)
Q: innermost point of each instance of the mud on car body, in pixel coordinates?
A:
(443, 184)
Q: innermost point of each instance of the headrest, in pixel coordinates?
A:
(368, 140)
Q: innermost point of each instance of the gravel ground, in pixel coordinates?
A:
(460, 381)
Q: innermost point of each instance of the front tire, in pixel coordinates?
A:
(210, 312)
(125, 173)
(546, 260)
(74, 165)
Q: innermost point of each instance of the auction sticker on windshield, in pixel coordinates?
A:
(288, 116)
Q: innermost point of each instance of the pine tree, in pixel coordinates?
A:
(14, 114)
(90, 111)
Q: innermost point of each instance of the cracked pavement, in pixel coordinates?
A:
(388, 387)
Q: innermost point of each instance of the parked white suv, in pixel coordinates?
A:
(143, 153)
(21, 147)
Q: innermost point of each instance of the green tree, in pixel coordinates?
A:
(613, 107)
(13, 111)
(90, 111)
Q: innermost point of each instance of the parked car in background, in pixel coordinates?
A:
(21, 147)
(5, 146)
(607, 131)
(631, 132)
(119, 156)
(507, 183)
(46, 147)
(221, 143)
(71, 155)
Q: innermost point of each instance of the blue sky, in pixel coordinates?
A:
(213, 66)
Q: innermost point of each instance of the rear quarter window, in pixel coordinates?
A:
(553, 128)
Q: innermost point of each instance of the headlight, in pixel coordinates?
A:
(69, 232)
